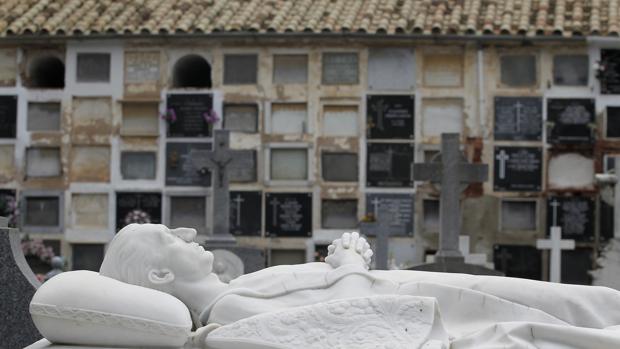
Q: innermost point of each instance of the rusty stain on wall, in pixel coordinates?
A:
(8, 67)
(91, 120)
(7, 163)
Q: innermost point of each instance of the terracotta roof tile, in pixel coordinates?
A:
(471, 17)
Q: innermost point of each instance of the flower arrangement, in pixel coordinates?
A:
(137, 216)
(170, 116)
(36, 248)
(9, 208)
(211, 117)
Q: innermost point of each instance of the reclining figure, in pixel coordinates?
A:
(476, 311)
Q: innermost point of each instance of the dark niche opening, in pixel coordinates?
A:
(192, 71)
(47, 72)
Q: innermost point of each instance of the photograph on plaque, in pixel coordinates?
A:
(575, 215)
(517, 169)
(610, 76)
(180, 168)
(187, 114)
(137, 208)
(245, 213)
(518, 118)
(8, 116)
(390, 116)
(288, 214)
(389, 165)
(518, 261)
(396, 209)
(570, 120)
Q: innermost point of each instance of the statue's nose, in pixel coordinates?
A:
(187, 234)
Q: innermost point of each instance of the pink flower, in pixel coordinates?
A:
(211, 116)
(170, 115)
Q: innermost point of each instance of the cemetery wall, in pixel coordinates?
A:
(338, 123)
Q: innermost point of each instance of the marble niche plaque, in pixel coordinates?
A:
(288, 214)
(142, 73)
(390, 116)
(189, 110)
(389, 165)
(137, 208)
(570, 120)
(518, 118)
(397, 209)
(575, 215)
(180, 169)
(340, 68)
(245, 213)
(518, 261)
(517, 169)
(8, 116)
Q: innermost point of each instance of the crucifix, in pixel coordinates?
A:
(556, 245)
(502, 157)
(380, 228)
(219, 161)
(518, 108)
(454, 173)
(375, 207)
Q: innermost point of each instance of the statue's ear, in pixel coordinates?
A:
(161, 276)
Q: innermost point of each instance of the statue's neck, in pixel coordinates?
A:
(199, 294)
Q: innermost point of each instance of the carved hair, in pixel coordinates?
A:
(134, 251)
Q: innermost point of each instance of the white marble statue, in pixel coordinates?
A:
(338, 304)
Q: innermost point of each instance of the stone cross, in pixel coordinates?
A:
(219, 160)
(380, 228)
(556, 245)
(453, 172)
(555, 204)
(238, 201)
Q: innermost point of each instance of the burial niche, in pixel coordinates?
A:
(192, 71)
(47, 71)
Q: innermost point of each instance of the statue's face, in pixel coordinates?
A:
(186, 259)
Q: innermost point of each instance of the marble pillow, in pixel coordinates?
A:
(82, 307)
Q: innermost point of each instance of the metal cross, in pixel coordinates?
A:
(452, 172)
(556, 245)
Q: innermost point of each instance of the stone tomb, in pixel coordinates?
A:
(397, 209)
(288, 214)
(517, 169)
(518, 118)
(137, 208)
(575, 215)
(518, 261)
(570, 120)
(389, 165)
(18, 286)
(610, 77)
(390, 116)
(189, 110)
(245, 213)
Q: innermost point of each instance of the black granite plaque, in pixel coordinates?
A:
(8, 116)
(517, 169)
(575, 215)
(397, 209)
(518, 118)
(576, 265)
(389, 165)
(245, 213)
(518, 261)
(180, 169)
(288, 214)
(8, 206)
(610, 76)
(570, 120)
(606, 220)
(390, 117)
(613, 122)
(137, 208)
(189, 110)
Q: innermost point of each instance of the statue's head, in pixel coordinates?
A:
(154, 256)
